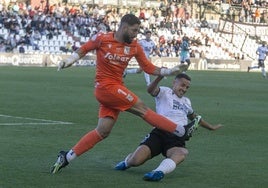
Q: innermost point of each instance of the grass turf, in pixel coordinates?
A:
(32, 99)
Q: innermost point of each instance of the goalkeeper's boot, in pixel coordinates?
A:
(121, 166)
(153, 176)
(60, 163)
(191, 127)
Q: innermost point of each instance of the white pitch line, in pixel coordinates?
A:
(46, 121)
(32, 123)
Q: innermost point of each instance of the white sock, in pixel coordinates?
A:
(166, 166)
(131, 71)
(147, 78)
(263, 72)
(126, 159)
(71, 155)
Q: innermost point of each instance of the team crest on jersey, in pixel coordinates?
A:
(126, 50)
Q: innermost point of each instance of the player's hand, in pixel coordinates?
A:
(61, 65)
(179, 69)
(174, 71)
(215, 127)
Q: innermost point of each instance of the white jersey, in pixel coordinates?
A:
(148, 46)
(172, 107)
(262, 51)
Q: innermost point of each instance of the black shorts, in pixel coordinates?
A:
(160, 141)
(261, 63)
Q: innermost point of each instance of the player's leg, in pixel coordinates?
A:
(255, 67)
(147, 78)
(107, 119)
(161, 122)
(87, 142)
(183, 58)
(141, 154)
(175, 154)
(263, 68)
(188, 61)
(132, 71)
(129, 71)
(149, 147)
(263, 72)
(120, 98)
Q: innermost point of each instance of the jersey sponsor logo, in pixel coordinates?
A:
(179, 106)
(126, 50)
(115, 57)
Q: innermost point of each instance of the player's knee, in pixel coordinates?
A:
(104, 133)
(105, 126)
(184, 152)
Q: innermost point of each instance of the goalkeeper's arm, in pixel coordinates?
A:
(173, 71)
(71, 59)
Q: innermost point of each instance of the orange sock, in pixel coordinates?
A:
(87, 142)
(159, 121)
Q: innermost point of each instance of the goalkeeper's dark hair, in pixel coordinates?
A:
(183, 75)
(130, 19)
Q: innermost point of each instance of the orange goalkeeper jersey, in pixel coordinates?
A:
(113, 58)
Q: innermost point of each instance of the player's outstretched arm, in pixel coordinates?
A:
(153, 88)
(206, 124)
(65, 63)
(173, 71)
(209, 126)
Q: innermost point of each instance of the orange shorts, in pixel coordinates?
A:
(113, 99)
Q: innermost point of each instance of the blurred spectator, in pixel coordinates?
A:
(2, 46)
(202, 64)
(207, 41)
(67, 48)
(83, 20)
(185, 50)
(36, 35)
(29, 40)
(204, 23)
(22, 48)
(75, 46)
(257, 15)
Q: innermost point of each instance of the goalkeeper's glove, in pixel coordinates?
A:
(173, 71)
(68, 62)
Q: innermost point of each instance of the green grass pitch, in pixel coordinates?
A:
(43, 111)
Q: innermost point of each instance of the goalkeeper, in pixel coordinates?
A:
(114, 50)
(172, 104)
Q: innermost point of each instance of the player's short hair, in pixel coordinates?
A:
(148, 31)
(130, 19)
(183, 75)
